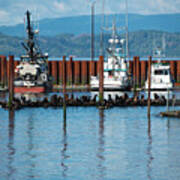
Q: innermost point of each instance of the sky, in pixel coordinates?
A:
(13, 11)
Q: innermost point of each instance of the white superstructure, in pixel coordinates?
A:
(116, 66)
(160, 75)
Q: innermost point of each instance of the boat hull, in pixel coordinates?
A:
(25, 89)
(110, 85)
(159, 86)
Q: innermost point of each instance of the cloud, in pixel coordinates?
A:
(3, 16)
(60, 6)
(12, 12)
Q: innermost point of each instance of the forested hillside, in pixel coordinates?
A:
(141, 43)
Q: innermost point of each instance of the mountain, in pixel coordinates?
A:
(81, 24)
(141, 43)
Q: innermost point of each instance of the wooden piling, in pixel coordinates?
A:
(64, 86)
(49, 68)
(60, 74)
(101, 79)
(84, 75)
(69, 70)
(172, 69)
(54, 71)
(64, 74)
(178, 71)
(149, 86)
(11, 79)
(0, 69)
(77, 72)
(134, 72)
(92, 68)
(3, 70)
(143, 72)
(138, 72)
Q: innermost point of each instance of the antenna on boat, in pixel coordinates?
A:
(92, 30)
(36, 22)
(127, 31)
(102, 31)
(164, 44)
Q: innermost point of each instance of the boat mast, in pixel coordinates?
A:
(114, 35)
(164, 45)
(92, 31)
(30, 41)
(127, 29)
(102, 31)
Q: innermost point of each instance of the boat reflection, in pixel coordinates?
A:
(113, 94)
(33, 97)
(64, 150)
(30, 147)
(161, 94)
(11, 149)
(101, 148)
(3, 95)
(149, 151)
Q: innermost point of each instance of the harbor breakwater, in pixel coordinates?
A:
(79, 72)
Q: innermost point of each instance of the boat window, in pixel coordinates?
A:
(158, 72)
(166, 72)
(161, 72)
(110, 73)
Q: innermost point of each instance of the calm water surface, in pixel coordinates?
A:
(91, 144)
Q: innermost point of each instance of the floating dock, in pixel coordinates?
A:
(171, 114)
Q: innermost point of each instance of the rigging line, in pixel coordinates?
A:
(102, 30)
(127, 30)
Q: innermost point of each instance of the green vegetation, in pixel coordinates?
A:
(141, 44)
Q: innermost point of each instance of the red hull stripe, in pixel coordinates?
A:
(29, 89)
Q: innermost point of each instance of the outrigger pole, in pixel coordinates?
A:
(127, 29)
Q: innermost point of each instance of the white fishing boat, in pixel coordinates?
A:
(161, 78)
(32, 71)
(116, 67)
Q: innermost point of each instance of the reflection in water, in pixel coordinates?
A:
(11, 149)
(162, 94)
(107, 93)
(101, 148)
(30, 147)
(30, 96)
(168, 124)
(3, 95)
(149, 151)
(63, 151)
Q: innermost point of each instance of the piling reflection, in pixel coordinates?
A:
(3, 95)
(64, 149)
(149, 151)
(101, 149)
(11, 149)
(113, 94)
(31, 156)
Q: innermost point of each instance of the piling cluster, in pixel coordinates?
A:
(79, 72)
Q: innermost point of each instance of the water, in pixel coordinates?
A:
(91, 144)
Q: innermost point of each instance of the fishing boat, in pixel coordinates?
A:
(116, 75)
(32, 71)
(161, 78)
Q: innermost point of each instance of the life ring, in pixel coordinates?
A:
(44, 77)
